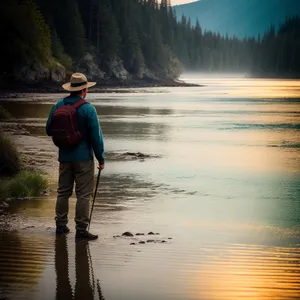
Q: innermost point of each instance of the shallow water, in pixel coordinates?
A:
(225, 186)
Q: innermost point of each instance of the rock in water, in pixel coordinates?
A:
(152, 233)
(142, 242)
(150, 241)
(29, 227)
(127, 233)
(139, 234)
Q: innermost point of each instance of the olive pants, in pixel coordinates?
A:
(82, 173)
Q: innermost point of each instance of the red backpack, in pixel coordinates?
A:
(64, 125)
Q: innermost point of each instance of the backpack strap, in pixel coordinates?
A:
(79, 103)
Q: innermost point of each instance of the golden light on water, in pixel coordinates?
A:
(246, 88)
(247, 272)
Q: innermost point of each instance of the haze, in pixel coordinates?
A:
(177, 2)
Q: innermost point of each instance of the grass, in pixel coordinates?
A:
(25, 184)
(4, 114)
(15, 183)
(10, 163)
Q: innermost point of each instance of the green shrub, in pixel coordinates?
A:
(4, 114)
(9, 159)
(3, 190)
(66, 61)
(17, 189)
(59, 52)
(25, 184)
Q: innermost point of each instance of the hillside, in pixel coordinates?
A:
(239, 17)
(132, 43)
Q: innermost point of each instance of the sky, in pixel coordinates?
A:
(176, 2)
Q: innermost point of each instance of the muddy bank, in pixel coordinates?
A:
(37, 153)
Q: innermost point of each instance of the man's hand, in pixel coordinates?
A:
(101, 167)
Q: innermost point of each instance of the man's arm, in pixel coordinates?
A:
(96, 135)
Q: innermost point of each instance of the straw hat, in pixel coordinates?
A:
(77, 82)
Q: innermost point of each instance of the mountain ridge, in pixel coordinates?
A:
(238, 17)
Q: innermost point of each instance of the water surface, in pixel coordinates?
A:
(224, 184)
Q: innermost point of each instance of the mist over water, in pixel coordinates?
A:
(222, 180)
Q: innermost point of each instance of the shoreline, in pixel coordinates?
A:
(109, 86)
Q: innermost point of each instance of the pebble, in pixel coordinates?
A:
(132, 244)
(46, 192)
(127, 233)
(152, 233)
(23, 198)
(28, 227)
(150, 241)
(140, 234)
(142, 242)
(4, 205)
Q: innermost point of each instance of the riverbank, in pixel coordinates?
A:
(104, 86)
(20, 176)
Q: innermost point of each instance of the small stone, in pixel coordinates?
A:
(140, 234)
(152, 233)
(163, 241)
(132, 244)
(142, 242)
(150, 241)
(127, 233)
(170, 238)
(45, 193)
(4, 205)
(116, 236)
(28, 227)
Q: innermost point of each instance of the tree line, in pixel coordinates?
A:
(144, 36)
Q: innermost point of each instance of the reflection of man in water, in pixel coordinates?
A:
(83, 287)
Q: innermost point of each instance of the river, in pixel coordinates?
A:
(221, 186)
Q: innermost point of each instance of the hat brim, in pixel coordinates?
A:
(69, 88)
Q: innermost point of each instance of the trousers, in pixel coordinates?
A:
(82, 174)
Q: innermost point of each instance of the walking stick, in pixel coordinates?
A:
(95, 193)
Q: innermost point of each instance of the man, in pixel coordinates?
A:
(74, 127)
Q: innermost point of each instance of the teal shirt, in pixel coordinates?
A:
(93, 139)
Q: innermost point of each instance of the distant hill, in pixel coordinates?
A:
(239, 17)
